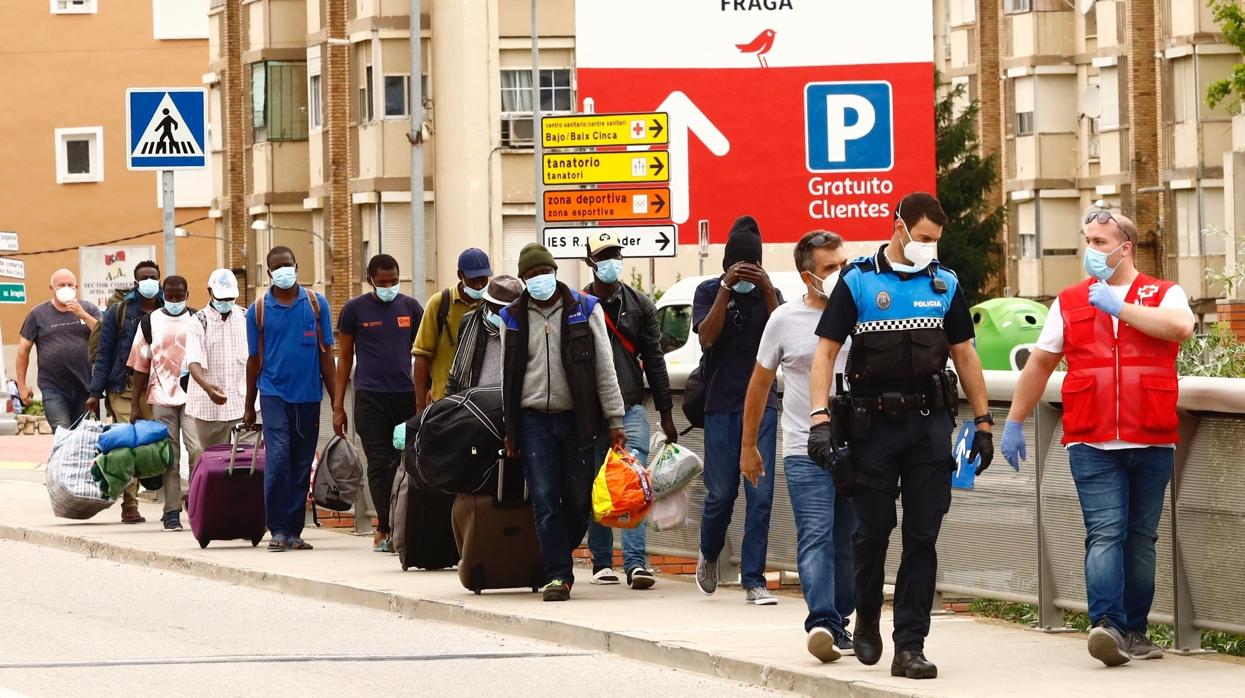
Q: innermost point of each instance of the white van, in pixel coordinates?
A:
(674, 315)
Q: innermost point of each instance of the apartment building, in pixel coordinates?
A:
(1099, 101)
(337, 196)
(66, 64)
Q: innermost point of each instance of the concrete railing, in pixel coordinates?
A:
(1020, 536)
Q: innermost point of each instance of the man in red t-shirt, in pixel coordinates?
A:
(1120, 331)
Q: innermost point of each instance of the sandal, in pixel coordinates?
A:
(300, 544)
(278, 544)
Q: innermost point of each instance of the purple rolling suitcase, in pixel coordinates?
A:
(226, 499)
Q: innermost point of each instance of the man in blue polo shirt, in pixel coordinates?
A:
(288, 335)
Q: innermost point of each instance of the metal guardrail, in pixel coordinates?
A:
(1020, 536)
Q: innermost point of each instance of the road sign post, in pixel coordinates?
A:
(166, 130)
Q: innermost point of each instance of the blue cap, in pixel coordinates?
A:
(473, 263)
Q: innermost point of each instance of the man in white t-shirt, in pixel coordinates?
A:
(1120, 331)
(823, 519)
(159, 361)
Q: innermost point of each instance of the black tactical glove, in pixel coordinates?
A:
(829, 456)
(983, 445)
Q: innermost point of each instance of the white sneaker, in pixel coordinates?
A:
(821, 645)
(760, 596)
(605, 576)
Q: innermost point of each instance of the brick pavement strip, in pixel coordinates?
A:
(672, 624)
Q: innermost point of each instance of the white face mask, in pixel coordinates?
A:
(65, 294)
(919, 253)
(827, 284)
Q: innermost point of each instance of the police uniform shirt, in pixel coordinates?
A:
(841, 316)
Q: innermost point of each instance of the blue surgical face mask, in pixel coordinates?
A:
(148, 288)
(492, 318)
(542, 287)
(743, 287)
(608, 270)
(285, 277)
(175, 308)
(1095, 263)
(386, 293)
(223, 307)
(473, 294)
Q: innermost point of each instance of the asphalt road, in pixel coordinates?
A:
(77, 626)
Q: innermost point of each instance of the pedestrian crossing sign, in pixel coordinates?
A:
(166, 128)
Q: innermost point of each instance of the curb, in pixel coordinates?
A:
(632, 647)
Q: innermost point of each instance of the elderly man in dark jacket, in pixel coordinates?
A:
(635, 337)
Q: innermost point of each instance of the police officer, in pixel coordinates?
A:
(906, 315)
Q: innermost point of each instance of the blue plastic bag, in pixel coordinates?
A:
(965, 470)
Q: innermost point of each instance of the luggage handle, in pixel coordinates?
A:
(234, 441)
(501, 478)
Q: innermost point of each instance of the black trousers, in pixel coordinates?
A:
(375, 416)
(912, 453)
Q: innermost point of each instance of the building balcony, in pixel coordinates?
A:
(279, 168)
(1029, 35)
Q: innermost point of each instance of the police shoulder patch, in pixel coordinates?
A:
(883, 300)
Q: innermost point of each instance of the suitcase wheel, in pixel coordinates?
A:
(255, 541)
(203, 542)
(477, 591)
(535, 589)
(405, 567)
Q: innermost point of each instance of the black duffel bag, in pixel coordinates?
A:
(454, 443)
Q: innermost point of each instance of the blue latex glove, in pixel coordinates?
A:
(399, 436)
(1014, 448)
(1103, 298)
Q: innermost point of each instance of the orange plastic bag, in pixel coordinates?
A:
(621, 492)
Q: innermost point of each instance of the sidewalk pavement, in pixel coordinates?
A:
(672, 625)
(24, 452)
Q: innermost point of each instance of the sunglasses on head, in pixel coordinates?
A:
(1102, 217)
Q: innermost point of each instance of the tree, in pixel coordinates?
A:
(971, 246)
(1231, 20)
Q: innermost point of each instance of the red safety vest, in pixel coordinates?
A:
(1121, 387)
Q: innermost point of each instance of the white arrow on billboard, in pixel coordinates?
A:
(685, 118)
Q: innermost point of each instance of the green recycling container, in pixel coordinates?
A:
(1007, 329)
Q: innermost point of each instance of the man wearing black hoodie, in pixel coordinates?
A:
(730, 313)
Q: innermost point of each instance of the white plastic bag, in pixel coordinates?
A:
(672, 466)
(670, 511)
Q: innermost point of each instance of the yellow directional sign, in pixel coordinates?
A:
(599, 130)
(607, 168)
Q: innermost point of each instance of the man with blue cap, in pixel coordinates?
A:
(437, 339)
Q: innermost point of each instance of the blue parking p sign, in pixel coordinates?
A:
(849, 126)
(166, 128)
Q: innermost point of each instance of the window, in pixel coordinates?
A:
(315, 103)
(1017, 6)
(397, 96)
(279, 101)
(73, 7)
(675, 322)
(365, 96)
(1091, 22)
(556, 96)
(1028, 246)
(1024, 123)
(79, 155)
(1095, 140)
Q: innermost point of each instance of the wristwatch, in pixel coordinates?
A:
(823, 410)
(985, 419)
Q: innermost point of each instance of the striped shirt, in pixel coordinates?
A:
(218, 344)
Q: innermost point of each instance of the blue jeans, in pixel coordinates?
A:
(291, 430)
(723, 434)
(62, 407)
(559, 476)
(824, 522)
(601, 538)
(1121, 495)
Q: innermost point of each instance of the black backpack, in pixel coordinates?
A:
(457, 441)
